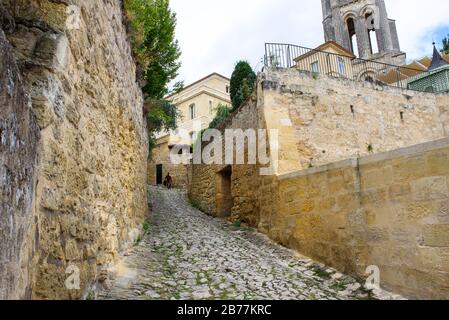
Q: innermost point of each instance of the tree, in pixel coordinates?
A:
(446, 44)
(242, 83)
(152, 27)
(177, 87)
(162, 116)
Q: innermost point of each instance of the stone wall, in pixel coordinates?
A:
(333, 119)
(90, 197)
(204, 185)
(19, 134)
(386, 209)
(160, 155)
(389, 210)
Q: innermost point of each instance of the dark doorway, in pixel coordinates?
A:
(159, 175)
(225, 202)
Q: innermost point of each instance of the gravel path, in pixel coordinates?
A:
(189, 255)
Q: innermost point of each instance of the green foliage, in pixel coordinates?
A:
(446, 44)
(222, 112)
(177, 87)
(194, 204)
(238, 223)
(242, 83)
(146, 226)
(152, 26)
(162, 115)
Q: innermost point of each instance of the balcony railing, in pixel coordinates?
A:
(337, 65)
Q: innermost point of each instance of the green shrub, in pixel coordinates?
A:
(242, 83)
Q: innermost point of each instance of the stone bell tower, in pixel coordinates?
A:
(363, 27)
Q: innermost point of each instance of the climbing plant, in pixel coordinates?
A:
(222, 111)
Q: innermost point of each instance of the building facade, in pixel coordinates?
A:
(197, 104)
(363, 28)
(329, 58)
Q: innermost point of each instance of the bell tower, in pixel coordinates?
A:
(363, 27)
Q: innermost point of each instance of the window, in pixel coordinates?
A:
(341, 66)
(192, 111)
(315, 67)
(227, 89)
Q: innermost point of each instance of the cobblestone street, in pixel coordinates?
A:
(189, 255)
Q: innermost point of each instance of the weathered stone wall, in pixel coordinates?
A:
(389, 210)
(334, 119)
(160, 155)
(205, 181)
(91, 181)
(19, 135)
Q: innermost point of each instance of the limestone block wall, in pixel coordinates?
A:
(204, 181)
(160, 155)
(333, 119)
(19, 134)
(388, 210)
(90, 195)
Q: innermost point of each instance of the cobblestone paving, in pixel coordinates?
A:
(189, 255)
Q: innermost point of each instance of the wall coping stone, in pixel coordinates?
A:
(355, 162)
(348, 163)
(406, 151)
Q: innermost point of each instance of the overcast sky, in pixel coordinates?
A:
(214, 34)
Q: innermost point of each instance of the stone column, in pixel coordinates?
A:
(384, 34)
(361, 31)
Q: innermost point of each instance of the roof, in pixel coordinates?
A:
(411, 70)
(341, 50)
(201, 80)
(437, 60)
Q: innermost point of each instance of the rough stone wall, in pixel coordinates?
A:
(160, 155)
(19, 134)
(91, 182)
(204, 181)
(389, 210)
(334, 119)
(443, 104)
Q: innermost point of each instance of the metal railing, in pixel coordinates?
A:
(336, 65)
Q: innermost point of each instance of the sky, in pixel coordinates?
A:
(214, 34)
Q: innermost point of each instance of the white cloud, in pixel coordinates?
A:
(215, 34)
